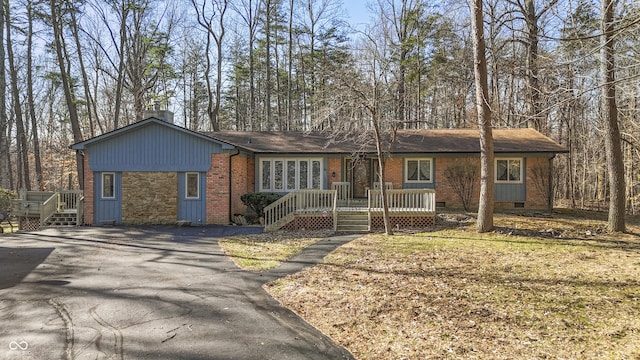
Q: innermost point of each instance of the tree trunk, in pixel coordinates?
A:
(121, 66)
(267, 30)
(24, 180)
(615, 165)
(290, 70)
(66, 85)
(4, 140)
(485, 207)
(383, 191)
(31, 101)
(91, 106)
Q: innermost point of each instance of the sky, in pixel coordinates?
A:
(357, 11)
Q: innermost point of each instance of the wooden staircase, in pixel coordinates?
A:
(353, 221)
(36, 209)
(62, 219)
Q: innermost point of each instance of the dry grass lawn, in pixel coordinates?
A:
(266, 251)
(539, 287)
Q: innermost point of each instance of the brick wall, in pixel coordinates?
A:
(149, 197)
(88, 191)
(334, 164)
(535, 199)
(242, 181)
(218, 190)
(393, 172)
(444, 191)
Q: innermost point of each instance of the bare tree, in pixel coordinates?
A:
(65, 78)
(462, 177)
(485, 207)
(615, 163)
(24, 180)
(4, 140)
(30, 100)
(214, 26)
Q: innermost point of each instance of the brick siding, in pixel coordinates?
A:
(393, 172)
(242, 181)
(218, 190)
(88, 191)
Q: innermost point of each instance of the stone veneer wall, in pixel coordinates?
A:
(149, 197)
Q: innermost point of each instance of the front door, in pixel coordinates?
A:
(359, 175)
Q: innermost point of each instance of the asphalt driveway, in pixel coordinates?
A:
(146, 293)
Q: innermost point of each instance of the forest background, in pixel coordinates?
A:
(72, 70)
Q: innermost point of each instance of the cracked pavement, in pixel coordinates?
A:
(147, 293)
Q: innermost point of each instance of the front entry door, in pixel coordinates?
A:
(359, 175)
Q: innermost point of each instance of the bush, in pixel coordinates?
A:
(462, 177)
(258, 201)
(5, 200)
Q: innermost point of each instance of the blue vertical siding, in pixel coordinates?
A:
(193, 210)
(107, 210)
(512, 192)
(153, 147)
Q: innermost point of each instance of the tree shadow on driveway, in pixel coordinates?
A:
(17, 263)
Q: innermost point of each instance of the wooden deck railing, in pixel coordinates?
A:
(405, 200)
(43, 204)
(325, 202)
(49, 207)
(283, 211)
(343, 189)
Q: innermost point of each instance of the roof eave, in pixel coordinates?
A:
(83, 144)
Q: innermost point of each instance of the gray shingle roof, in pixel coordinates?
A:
(408, 141)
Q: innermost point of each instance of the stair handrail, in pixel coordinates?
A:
(282, 211)
(80, 212)
(48, 208)
(335, 211)
(277, 211)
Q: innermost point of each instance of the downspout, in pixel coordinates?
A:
(231, 183)
(550, 181)
(80, 155)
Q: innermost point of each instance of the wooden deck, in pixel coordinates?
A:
(329, 208)
(35, 209)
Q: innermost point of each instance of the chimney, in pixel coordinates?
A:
(164, 115)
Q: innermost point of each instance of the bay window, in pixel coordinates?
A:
(279, 175)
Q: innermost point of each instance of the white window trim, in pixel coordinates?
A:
(406, 171)
(186, 186)
(285, 187)
(113, 185)
(495, 170)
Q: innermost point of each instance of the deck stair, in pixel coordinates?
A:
(353, 221)
(36, 209)
(62, 219)
(353, 216)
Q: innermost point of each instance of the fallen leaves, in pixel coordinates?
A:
(452, 294)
